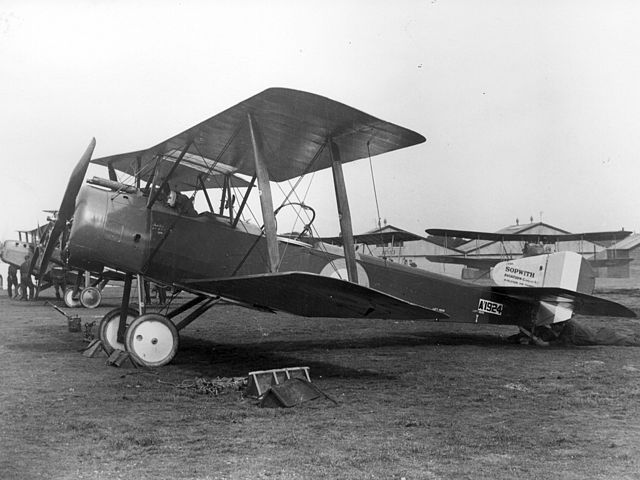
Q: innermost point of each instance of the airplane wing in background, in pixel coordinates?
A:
(374, 238)
(468, 260)
(312, 295)
(529, 237)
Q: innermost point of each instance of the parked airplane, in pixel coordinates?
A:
(532, 244)
(276, 135)
(15, 252)
(78, 288)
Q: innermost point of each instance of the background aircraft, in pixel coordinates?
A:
(524, 243)
(149, 227)
(77, 288)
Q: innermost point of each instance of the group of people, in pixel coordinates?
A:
(27, 289)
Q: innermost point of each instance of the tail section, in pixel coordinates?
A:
(14, 251)
(565, 270)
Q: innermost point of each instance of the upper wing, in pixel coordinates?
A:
(529, 237)
(184, 178)
(581, 303)
(312, 295)
(294, 127)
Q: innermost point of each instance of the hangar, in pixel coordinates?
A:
(437, 253)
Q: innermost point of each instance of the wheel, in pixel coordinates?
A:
(71, 300)
(108, 328)
(90, 297)
(152, 340)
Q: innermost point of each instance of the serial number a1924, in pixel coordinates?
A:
(487, 306)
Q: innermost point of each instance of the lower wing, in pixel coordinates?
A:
(312, 295)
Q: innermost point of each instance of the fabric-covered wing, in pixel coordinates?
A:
(184, 178)
(293, 127)
(312, 295)
(581, 303)
(530, 237)
(482, 263)
(376, 238)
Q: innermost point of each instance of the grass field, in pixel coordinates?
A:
(417, 400)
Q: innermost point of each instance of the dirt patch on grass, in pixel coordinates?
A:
(416, 400)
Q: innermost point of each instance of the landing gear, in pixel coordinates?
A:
(152, 340)
(108, 328)
(90, 297)
(71, 300)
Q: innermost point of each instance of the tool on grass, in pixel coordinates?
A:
(72, 320)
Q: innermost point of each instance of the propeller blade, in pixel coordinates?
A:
(67, 206)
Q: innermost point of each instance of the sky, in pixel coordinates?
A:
(531, 109)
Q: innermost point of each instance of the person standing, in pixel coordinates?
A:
(25, 280)
(12, 281)
(59, 281)
(162, 294)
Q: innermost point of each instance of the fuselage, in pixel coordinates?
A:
(117, 230)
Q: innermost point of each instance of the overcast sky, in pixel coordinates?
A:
(527, 106)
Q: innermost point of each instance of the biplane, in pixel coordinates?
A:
(146, 224)
(15, 252)
(524, 243)
(78, 288)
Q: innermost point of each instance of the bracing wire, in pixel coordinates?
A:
(373, 180)
(375, 196)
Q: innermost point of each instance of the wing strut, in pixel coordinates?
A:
(112, 173)
(138, 168)
(266, 202)
(223, 197)
(244, 201)
(343, 212)
(154, 195)
(206, 194)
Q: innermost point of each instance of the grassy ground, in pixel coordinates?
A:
(416, 401)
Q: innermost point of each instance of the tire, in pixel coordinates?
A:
(152, 340)
(90, 297)
(70, 300)
(108, 328)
